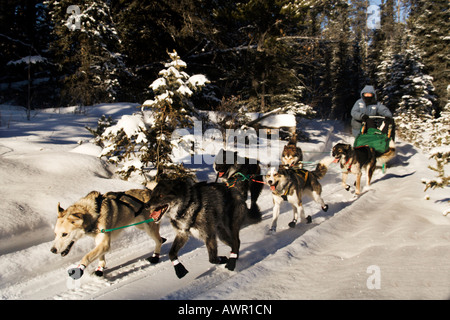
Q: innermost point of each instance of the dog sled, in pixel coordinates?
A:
(378, 133)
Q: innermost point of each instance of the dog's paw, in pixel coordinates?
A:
(76, 273)
(231, 264)
(99, 272)
(180, 270)
(325, 208)
(154, 258)
(272, 231)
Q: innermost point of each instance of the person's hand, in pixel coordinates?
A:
(364, 118)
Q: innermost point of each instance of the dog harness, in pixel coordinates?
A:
(119, 196)
(300, 172)
(284, 195)
(349, 167)
(239, 176)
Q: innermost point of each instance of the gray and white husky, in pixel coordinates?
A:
(94, 212)
(207, 211)
(290, 184)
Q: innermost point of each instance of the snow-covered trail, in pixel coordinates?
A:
(389, 243)
(35, 273)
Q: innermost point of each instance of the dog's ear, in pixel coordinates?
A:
(264, 168)
(60, 211)
(76, 219)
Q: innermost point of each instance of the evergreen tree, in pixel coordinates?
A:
(87, 48)
(360, 39)
(418, 89)
(338, 31)
(25, 68)
(415, 111)
(143, 141)
(274, 55)
(429, 22)
(390, 78)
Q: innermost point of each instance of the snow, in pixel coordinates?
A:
(388, 243)
(279, 121)
(28, 60)
(160, 82)
(130, 124)
(197, 80)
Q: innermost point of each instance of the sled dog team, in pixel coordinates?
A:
(205, 210)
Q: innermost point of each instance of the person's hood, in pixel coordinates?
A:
(369, 89)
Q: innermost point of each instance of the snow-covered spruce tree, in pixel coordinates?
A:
(390, 74)
(440, 137)
(87, 49)
(442, 158)
(429, 22)
(415, 113)
(143, 141)
(290, 103)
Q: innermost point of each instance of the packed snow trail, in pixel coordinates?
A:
(389, 243)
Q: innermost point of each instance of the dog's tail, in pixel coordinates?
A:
(388, 155)
(322, 167)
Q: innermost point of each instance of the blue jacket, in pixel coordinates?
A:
(360, 109)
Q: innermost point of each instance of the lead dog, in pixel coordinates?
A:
(288, 184)
(94, 212)
(205, 210)
(354, 160)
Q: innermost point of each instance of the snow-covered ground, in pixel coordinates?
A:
(389, 243)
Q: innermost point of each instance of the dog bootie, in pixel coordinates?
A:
(76, 273)
(99, 271)
(180, 270)
(154, 258)
(231, 264)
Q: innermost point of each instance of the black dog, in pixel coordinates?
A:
(241, 173)
(205, 210)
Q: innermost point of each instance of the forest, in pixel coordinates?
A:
(263, 54)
